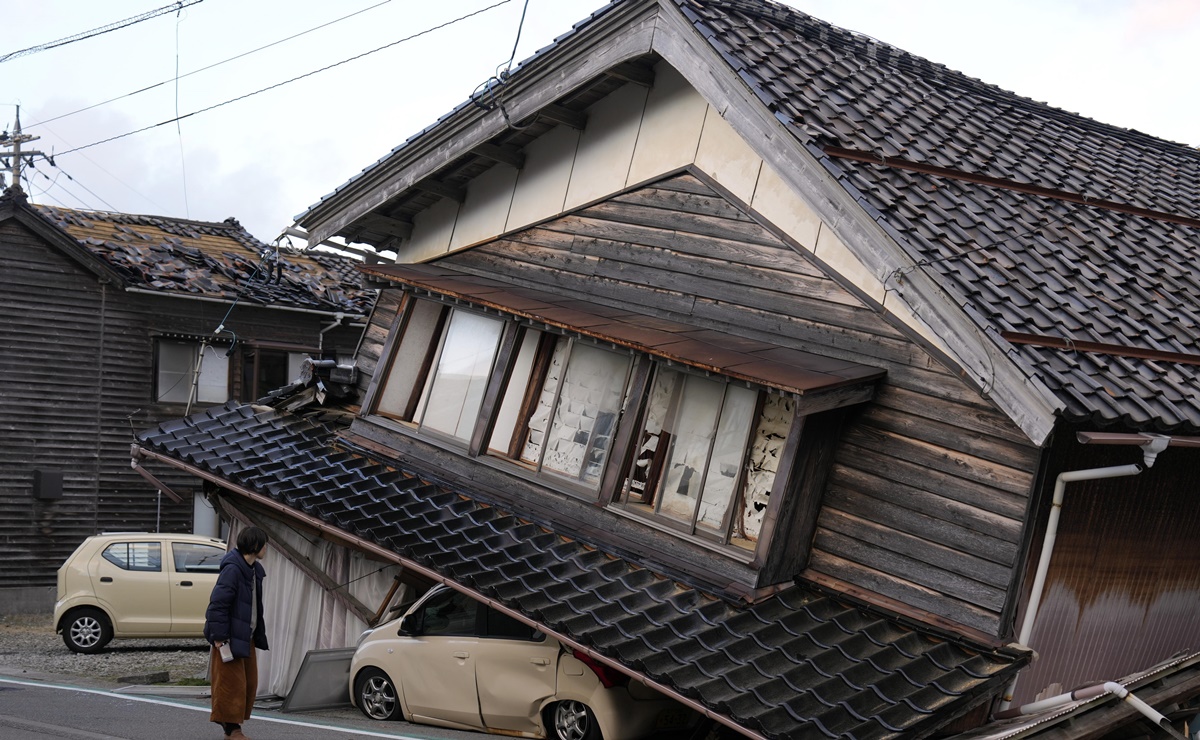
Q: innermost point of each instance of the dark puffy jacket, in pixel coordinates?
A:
(228, 615)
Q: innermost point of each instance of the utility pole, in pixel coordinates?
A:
(12, 159)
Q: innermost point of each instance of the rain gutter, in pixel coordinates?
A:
(1091, 692)
(227, 301)
(140, 453)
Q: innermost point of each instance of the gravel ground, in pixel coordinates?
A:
(28, 644)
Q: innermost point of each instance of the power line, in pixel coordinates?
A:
(111, 207)
(214, 64)
(174, 7)
(286, 82)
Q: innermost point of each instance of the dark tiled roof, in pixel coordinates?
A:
(215, 260)
(758, 362)
(802, 663)
(1016, 262)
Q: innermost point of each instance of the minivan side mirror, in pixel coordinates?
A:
(410, 624)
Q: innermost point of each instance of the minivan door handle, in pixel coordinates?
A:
(185, 583)
(462, 655)
(106, 579)
(540, 661)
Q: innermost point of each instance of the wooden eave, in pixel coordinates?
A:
(571, 74)
(819, 383)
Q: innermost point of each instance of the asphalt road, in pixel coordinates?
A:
(36, 709)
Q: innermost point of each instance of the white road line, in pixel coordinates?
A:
(177, 705)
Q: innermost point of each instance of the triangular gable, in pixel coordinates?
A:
(698, 113)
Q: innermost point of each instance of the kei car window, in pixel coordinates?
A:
(505, 627)
(449, 613)
(192, 558)
(143, 556)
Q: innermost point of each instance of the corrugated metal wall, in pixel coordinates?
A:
(1123, 590)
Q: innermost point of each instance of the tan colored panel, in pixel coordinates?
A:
(606, 146)
(901, 310)
(728, 159)
(542, 183)
(834, 253)
(776, 201)
(485, 211)
(432, 229)
(671, 126)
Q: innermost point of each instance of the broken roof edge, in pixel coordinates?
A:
(230, 226)
(365, 545)
(1158, 676)
(531, 86)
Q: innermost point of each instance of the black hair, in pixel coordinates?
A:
(251, 540)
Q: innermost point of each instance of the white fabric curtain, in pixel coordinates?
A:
(300, 614)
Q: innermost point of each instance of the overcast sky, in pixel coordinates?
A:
(265, 159)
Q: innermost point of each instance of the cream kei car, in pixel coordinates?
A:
(135, 585)
(454, 662)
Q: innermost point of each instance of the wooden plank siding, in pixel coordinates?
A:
(78, 359)
(927, 496)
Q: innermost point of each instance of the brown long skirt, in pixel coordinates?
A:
(234, 686)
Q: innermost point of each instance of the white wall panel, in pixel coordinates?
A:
(606, 145)
(542, 183)
(728, 159)
(432, 229)
(776, 201)
(671, 126)
(485, 210)
(834, 253)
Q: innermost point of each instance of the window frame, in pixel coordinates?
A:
(623, 440)
(621, 498)
(152, 547)
(194, 346)
(251, 365)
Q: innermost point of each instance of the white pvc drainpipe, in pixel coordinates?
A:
(1109, 687)
(1150, 451)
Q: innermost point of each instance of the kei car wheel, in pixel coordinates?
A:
(572, 720)
(376, 696)
(87, 631)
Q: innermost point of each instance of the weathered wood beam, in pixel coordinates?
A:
(458, 195)
(380, 224)
(502, 154)
(638, 74)
(561, 114)
(307, 566)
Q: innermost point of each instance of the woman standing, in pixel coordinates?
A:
(233, 625)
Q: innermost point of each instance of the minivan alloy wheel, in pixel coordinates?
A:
(377, 695)
(572, 720)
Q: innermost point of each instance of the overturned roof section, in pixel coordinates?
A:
(802, 663)
(222, 261)
(802, 373)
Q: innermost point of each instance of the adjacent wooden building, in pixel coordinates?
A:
(105, 318)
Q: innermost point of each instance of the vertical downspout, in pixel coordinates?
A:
(101, 356)
(1043, 567)
(1150, 453)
